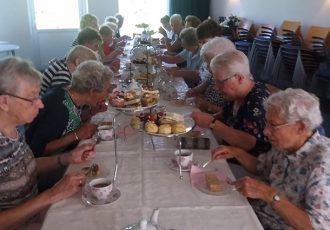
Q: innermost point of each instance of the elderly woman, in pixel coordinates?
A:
(207, 97)
(58, 125)
(19, 104)
(294, 190)
(87, 20)
(243, 117)
(191, 21)
(59, 71)
(190, 54)
(177, 26)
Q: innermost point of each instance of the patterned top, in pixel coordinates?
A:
(57, 73)
(18, 177)
(58, 117)
(250, 117)
(303, 177)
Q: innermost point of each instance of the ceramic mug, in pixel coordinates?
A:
(186, 158)
(101, 188)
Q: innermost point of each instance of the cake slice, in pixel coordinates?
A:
(212, 182)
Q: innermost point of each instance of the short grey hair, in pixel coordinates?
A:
(188, 36)
(296, 105)
(232, 62)
(111, 19)
(176, 19)
(80, 52)
(13, 69)
(216, 46)
(91, 75)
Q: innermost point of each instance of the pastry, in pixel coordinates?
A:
(212, 182)
(171, 117)
(151, 127)
(91, 171)
(117, 102)
(178, 128)
(165, 129)
(149, 97)
(135, 122)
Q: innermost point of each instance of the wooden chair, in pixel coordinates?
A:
(289, 30)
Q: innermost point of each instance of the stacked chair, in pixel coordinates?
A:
(288, 39)
(244, 36)
(261, 55)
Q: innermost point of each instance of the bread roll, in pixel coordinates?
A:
(212, 182)
(165, 129)
(135, 122)
(151, 127)
(178, 128)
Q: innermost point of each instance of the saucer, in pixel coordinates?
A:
(201, 185)
(172, 164)
(88, 199)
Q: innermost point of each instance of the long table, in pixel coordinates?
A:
(146, 181)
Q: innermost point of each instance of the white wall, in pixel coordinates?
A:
(15, 28)
(308, 12)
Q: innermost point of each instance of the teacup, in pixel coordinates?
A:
(105, 132)
(101, 188)
(186, 158)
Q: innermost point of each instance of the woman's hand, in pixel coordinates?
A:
(254, 189)
(224, 152)
(203, 120)
(191, 93)
(86, 131)
(162, 31)
(82, 154)
(66, 187)
(202, 103)
(173, 71)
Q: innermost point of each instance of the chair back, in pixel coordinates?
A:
(266, 31)
(243, 30)
(318, 40)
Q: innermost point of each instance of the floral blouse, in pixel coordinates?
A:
(250, 117)
(303, 177)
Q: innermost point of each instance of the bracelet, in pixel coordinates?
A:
(59, 161)
(76, 136)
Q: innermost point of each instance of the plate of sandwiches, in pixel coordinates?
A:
(164, 124)
(132, 100)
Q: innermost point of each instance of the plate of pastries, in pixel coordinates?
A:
(166, 124)
(131, 100)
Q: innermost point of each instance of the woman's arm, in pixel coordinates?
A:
(171, 59)
(85, 131)
(15, 217)
(294, 216)
(172, 47)
(78, 155)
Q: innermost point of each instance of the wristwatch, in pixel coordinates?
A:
(276, 198)
(212, 123)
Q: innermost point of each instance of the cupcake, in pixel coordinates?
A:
(178, 128)
(135, 122)
(165, 129)
(151, 127)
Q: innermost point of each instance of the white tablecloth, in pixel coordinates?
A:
(146, 181)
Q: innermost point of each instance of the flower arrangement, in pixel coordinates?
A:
(231, 21)
(146, 33)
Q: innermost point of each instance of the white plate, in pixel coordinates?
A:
(172, 164)
(189, 123)
(201, 186)
(88, 199)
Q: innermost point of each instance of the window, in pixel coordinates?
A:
(146, 11)
(59, 14)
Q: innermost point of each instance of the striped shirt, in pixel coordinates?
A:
(57, 73)
(18, 178)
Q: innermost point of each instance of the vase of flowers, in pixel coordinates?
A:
(146, 33)
(232, 21)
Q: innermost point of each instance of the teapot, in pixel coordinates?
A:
(145, 224)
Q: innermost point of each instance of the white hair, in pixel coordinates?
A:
(232, 62)
(216, 46)
(296, 105)
(176, 19)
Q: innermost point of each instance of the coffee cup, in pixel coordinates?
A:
(186, 159)
(101, 188)
(105, 132)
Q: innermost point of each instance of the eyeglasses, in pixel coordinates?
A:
(275, 127)
(32, 101)
(220, 82)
